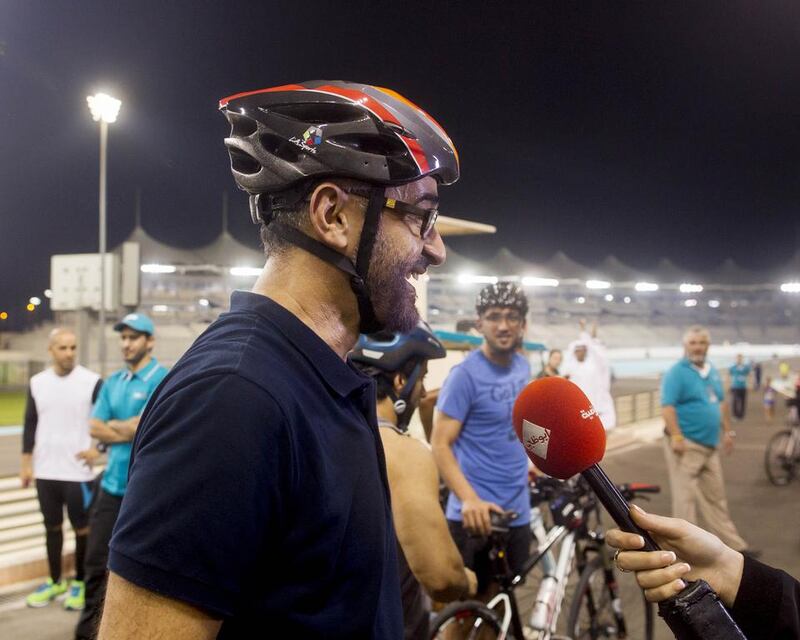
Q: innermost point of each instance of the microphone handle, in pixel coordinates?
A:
(696, 613)
(615, 504)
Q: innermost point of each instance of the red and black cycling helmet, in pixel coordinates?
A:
(284, 137)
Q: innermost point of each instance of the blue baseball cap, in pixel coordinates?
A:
(138, 322)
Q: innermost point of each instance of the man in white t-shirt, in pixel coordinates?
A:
(56, 431)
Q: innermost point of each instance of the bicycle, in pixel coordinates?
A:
(596, 609)
(782, 457)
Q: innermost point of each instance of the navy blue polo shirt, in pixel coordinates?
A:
(257, 488)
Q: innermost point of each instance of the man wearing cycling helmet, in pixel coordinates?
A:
(428, 556)
(258, 500)
(473, 436)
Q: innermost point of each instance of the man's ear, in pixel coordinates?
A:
(332, 222)
(399, 381)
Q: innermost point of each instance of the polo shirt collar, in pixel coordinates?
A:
(339, 375)
(145, 373)
(700, 371)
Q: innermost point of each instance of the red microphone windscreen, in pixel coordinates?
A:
(559, 428)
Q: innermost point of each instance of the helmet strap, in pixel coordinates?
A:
(402, 404)
(369, 232)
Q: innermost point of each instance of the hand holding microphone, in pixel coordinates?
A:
(563, 436)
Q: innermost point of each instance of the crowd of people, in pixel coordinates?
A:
(268, 479)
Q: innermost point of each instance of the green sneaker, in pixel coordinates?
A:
(45, 593)
(75, 597)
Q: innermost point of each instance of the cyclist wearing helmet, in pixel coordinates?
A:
(258, 496)
(472, 436)
(428, 557)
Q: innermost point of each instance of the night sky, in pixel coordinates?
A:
(643, 130)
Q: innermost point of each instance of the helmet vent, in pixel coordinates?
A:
(242, 162)
(378, 145)
(241, 126)
(277, 146)
(320, 113)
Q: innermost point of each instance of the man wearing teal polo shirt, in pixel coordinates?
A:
(114, 420)
(695, 414)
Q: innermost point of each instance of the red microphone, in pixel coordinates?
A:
(563, 435)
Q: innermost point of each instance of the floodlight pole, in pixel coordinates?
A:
(101, 353)
(104, 109)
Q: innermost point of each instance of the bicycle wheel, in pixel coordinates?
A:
(591, 612)
(779, 458)
(467, 620)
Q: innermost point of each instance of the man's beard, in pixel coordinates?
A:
(393, 298)
(494, 346)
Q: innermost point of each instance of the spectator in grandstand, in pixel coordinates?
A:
(428, 556)
(694, 410)
(258, 496)
(764, 602)
(114, 422)
(586, 364)
(739, 373)
(56, 429)
(473, 437)
(553, 363)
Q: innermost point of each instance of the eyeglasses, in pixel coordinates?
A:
(428, 216)
(512, 318)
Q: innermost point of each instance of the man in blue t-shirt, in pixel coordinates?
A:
(114, 420)
(739, 374)
(694, 413)
(473, 437)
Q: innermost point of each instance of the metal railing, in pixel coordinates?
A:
(637, 406)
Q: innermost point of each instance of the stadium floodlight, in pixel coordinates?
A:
(466, 278)
(104, 108)
(691, 302)
(598, 284)
(158, 268)
(533, 281)
(35, 301)
(714, 304)
(688, 287)
(646, 286)
(609, 298)
(248, 272)
(790, 287)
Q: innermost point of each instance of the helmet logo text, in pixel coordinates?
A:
(312, 137)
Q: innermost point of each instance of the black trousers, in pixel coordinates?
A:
(475, 550)
(739, 402)
(102, 517)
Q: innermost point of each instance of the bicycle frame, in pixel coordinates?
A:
(577, 543)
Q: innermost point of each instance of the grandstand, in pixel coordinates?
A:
(185, 289)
